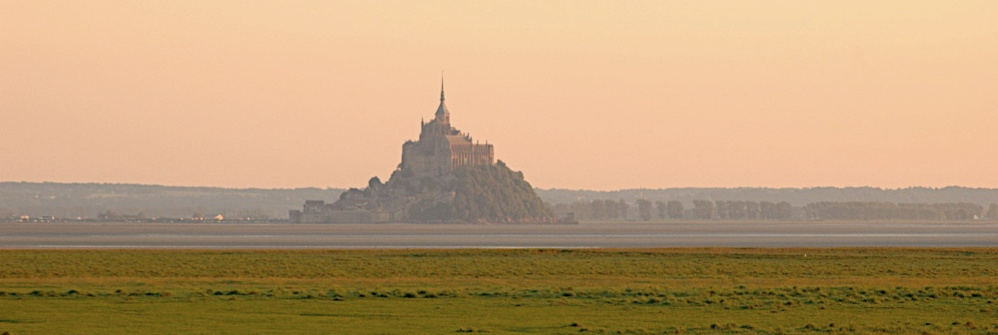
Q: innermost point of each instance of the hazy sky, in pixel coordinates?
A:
(576, 94)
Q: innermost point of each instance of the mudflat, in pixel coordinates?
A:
(447, 236)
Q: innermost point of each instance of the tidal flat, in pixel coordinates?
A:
(542, 291)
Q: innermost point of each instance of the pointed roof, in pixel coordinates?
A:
(442, 112)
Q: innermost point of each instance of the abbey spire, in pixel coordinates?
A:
(442, 115)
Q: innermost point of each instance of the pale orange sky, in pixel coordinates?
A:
(576, 94)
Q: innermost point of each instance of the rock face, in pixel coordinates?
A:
(482, 193)
(444, 177)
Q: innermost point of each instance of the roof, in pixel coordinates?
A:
(442, 110)
(457, 139)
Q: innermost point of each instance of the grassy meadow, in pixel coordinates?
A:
(656, 291)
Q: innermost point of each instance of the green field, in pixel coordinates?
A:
(674, 291)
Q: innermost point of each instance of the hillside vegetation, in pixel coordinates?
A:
(486, 193)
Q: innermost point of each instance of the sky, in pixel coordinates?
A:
(599, 95)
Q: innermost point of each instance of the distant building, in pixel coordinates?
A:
(440, 150)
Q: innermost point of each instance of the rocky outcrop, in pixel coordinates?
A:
(471, 194)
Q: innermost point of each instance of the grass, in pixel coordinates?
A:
(743, 291)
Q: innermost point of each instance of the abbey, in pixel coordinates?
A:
(441, 148)
(427, 169)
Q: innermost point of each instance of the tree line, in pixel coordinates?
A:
(798, 197)
(646, 210)
(609, 209)
(90, 200)
(902, 211)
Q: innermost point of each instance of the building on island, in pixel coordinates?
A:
(440, 150)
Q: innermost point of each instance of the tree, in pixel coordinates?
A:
(612, 209)
(751, 210)
(675, 209)
(736, 210)
(644, 209)
(721, 207)
(661, 207)
(597, 210)
(858, 210)
(767, 210)
(784, 211)
(703, 209)
(483, 193)
(624, 209)
(993, 212)
(374, 183)
(582, 210)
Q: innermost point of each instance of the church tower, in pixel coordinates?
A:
(441, 148)
(442, 115)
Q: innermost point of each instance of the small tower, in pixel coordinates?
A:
(442, 115)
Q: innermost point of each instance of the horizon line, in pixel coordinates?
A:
(534, 187)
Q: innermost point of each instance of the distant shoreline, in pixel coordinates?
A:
(85, 201)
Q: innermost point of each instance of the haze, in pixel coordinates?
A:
(577, 94)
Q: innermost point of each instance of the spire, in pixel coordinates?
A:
(442, 115)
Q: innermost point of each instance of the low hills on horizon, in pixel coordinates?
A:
(89, 200)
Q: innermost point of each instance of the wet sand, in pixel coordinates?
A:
(586, 235)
